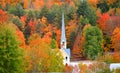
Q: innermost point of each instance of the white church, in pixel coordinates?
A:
(64, 50)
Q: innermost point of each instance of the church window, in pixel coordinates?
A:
(66, 58)
(63, 44)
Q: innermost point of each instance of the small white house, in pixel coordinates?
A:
(114, 66)
(65, 52)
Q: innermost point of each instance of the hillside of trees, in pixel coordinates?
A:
(30, 29)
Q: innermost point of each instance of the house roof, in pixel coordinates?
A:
(67, 51)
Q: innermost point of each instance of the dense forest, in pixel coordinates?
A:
(30, 29)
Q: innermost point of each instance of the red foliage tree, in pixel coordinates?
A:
(108, 23)
(32, 25)
(102, 21)
(3, 16)
(23, 20)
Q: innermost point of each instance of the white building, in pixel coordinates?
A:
(64, 50)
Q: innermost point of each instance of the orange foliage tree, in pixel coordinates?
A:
(116, 39)
(41, 57)
(71, 30)
(93, 3)
(3, 16)
(39, 3)
(25, 3)
(37, 52)
(58, 35)
(21, 38)
(116, 57)
(78, 47)
(68, 69)
(10, 2)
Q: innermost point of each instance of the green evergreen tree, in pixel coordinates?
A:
(16, 10)
(11, 56)
(73, 35)
(53, 44)
(103, 6)
(93, 43)
(86, 11)
(30, 15)
(17, 22)
(44, 12)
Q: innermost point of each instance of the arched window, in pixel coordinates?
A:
(63, 44)
(66, 58)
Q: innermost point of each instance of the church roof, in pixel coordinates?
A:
(67, 51)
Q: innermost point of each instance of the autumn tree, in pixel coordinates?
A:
(32, 3)
(29, 23)
(23, 21)
(44, 58)
(56, 61)
(77, 51)
(116, 57)
(116, 39)
(38, 55)
(68, 68)
(25, 3)
(10, 2)
(3, 16)
(32, 25)
(108, 23)
(12, 58)
(102, 21)
(93, 42)
(39, 3)
(58, 34)
(112, 23)
(71, 33)
(21, 38)
(93, 3)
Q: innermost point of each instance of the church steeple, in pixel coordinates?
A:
(63, 35)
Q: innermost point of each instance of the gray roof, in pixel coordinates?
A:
(67, 51)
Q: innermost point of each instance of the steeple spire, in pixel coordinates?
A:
(63, 35)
